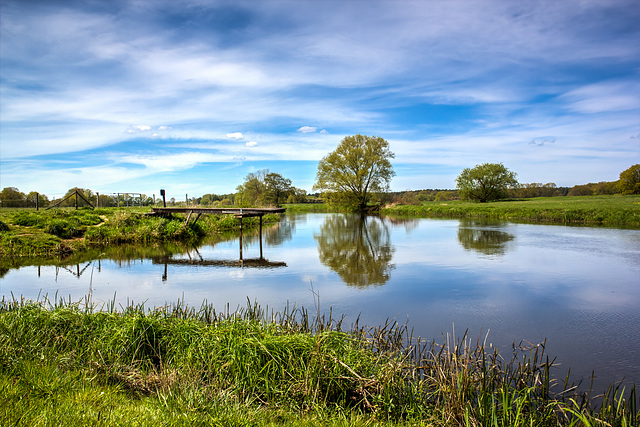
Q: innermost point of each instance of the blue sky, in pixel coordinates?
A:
(191, 96)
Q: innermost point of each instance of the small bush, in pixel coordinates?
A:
(28, 219)
(63, 229)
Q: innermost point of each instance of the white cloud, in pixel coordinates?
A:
(235, 135)
(95, 74)
(307, 129)
(605, 97)
(139, 128)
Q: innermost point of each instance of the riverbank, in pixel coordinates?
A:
(73, 364)
(30, 233)
(614, 211)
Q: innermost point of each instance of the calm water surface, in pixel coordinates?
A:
(578, 288)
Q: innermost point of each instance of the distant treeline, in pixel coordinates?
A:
(521, 191)
(11, 197)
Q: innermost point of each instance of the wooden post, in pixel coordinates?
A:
(76, 199)
(97, 200)
(260, 236)
(37, 207)
(164, 201)
(240, 220)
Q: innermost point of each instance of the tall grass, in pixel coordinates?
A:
(64, 361)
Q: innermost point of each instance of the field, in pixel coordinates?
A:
(65, 363)
(614, 211)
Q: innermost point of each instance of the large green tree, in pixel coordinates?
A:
(485, 182)
(263, 188)
(278, 188)
(359, 167)
(630, 180)
(252, 191)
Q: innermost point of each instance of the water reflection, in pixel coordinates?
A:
(165, 253)
(358, 248)
(478, 236)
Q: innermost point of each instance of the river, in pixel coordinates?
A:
(576, 287)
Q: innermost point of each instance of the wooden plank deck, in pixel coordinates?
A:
(238, 212)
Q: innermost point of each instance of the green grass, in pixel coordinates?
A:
(72, 364)
(30, 233)
(309, 207)
(615, 211)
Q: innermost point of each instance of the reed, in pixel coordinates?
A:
(76, 363)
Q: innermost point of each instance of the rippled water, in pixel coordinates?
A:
(576, 287)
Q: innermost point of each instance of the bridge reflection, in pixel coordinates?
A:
(199, 261)
(238, 263)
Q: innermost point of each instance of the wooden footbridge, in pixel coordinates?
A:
(238, 213)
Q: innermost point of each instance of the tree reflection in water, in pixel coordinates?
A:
(358, 248)
(476, 236)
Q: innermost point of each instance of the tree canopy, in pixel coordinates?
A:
(485, 182)
(357, 168)
(263, 188)
(630, 180)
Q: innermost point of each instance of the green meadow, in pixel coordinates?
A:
(610, 210)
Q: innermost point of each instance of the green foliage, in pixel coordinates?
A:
(263, 188)
(11, 197)
(72, 364)
(277, 188)
(580, 190)
(629, 182)
(3, 226)
(359, 167)
(446, 195)
(485, 182)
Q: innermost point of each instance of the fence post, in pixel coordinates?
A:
(97, 200)
(37, 197)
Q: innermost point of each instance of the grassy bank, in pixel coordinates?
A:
(30, 233)
(615, 211)
(70, 364)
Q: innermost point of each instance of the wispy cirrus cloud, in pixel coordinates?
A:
(446, 83)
